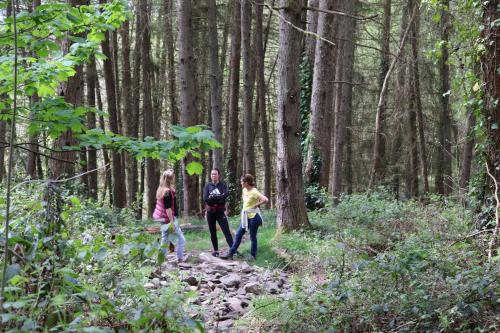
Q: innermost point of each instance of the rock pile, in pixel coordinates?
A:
(224, 288)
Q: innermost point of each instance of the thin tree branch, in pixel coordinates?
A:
(39, 153)
(276, 11)
(497, 225)
(59, 180)
(335, 12)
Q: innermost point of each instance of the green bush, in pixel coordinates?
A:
(373, 264)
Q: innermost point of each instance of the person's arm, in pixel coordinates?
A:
(262, 200)
(225, 192)
(167, 200)
(205, 194)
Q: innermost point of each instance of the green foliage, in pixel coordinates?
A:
(42, 64)
(373, 264)
(89, 275)
(316, 197)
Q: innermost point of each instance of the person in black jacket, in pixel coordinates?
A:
(214, 195)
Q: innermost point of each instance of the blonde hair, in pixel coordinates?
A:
(166, 181)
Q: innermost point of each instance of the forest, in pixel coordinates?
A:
(138, 137)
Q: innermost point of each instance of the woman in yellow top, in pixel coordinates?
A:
(251, 218)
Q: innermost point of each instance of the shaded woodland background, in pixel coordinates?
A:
(391, 93)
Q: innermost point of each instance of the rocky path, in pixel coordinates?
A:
(225, 288)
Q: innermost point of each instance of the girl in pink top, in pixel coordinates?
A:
(166, 213)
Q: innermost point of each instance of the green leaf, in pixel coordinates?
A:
(12, 270)
(101, 254)
(194, 168)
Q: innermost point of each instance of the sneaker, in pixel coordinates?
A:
(228, 256)
(215, 253)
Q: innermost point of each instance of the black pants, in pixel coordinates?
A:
(212, 219)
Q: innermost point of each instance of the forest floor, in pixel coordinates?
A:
(223, 290)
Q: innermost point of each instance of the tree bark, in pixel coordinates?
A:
(490, 63)
(108, 183)
(234, 90)
(215, 80)
(261, 106)
(379, 159)
(443, 158)
(119, 189)
(415, 35)
(172, 87)
(91, 76)
(187, 72)
(72, 91)
(468, 153)
(412, 172)
(31, 171)
(128, 112)
(345, 65)
(152, 172)
(246, 55)
(291, 210)
(322, 100)
(311, 26)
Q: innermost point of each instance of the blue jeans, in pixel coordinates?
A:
(253, 226)
(166, 237)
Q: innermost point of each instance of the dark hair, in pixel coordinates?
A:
(216, 169)
(248, 178)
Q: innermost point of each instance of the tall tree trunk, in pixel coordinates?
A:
(187, 76)
(215, 80)
(128, 113)
(91, 76)
(119, 189)
(234, 90)
(322, 100)
(116, 72)
(345, 66)
(262, 99)
(400, 101)
(468, 152)
(172, 88)
(412, 171)
(311, 26)
(135, 118)
(443, 158)
(379, 159)
(152, 172)
(246, 55)
(348, 151)
(108, 183)
(415, 35)
(31, 171)
(490, 63)
(72, 91)
(291, 210)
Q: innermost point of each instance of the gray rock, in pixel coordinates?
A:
(253, 288)
(235, 304)
(246, 268)
(191, 280)
(231, 280)
(156, 282)
(271, 287)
